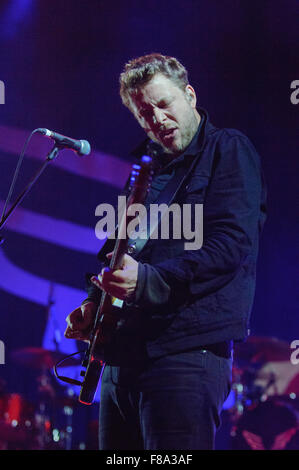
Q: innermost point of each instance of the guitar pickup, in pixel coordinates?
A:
(117, 302)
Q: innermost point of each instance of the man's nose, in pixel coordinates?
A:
(158, 116)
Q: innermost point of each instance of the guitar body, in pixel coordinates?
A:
(91, 381)
(106, 317)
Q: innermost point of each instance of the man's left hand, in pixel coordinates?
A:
(120, 283)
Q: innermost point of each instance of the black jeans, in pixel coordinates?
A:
(172, 403)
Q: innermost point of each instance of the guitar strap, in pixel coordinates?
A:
(166, 196)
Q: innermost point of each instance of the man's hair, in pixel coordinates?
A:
(138, 72)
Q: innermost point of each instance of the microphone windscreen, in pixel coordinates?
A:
(85, 148)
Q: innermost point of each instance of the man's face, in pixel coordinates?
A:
(166, 113)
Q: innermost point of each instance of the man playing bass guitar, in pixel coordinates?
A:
(168, 366)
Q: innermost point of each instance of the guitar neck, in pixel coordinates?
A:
(106, 318)
(104, 315)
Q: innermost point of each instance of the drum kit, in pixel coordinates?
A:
(46, 424)
(264, 413)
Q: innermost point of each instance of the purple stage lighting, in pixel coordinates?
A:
(17, 14)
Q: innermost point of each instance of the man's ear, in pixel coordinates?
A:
(191, 95)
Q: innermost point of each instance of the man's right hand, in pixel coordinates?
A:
(80, 322)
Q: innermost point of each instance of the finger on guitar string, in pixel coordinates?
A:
(80, 320)
(75, 334)
(115, 289)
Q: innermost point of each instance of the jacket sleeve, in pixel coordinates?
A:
(231, 222)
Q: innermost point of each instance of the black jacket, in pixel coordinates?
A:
(189, 298)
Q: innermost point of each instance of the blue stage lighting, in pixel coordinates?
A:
(17, 13)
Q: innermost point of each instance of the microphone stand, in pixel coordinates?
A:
(51, 156)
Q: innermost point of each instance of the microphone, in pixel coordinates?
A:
(82, 147)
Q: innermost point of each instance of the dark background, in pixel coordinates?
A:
(60, 62)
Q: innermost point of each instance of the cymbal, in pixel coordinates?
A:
(40, 358)
(262, 349)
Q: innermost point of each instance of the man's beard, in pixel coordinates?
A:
(185, 140)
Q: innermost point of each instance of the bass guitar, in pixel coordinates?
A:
(106, 318)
